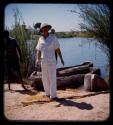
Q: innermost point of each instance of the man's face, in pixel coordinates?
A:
(45, 31)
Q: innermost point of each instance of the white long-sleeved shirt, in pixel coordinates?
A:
(47, 47)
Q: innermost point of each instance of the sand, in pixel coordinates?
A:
(21, 105)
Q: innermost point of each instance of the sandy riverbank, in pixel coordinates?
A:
(89, 108)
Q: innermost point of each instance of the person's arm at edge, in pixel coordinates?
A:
(19, 51)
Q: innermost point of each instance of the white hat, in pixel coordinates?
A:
(45, 25)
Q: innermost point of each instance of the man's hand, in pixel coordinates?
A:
(62, 61)
(60, 55)
(37, 62)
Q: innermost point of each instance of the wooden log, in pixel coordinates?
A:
(73, 71)
(93, 82)
(62, 81)
(66, 76)
(38, 75)
(72, 81)
(86, 67)
(87, 64)
(78, 69)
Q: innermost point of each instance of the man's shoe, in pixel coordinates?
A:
(48, 96)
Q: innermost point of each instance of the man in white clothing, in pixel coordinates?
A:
(46, 48)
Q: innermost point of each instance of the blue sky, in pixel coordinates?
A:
(56, 15)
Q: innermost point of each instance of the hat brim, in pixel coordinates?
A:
(49, 27)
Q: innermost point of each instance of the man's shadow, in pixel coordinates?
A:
(81, 105)
(66, 102)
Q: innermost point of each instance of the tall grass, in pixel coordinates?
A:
(22, 35)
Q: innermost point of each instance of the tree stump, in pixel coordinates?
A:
(93, 82)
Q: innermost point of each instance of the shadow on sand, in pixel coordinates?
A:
(65, 102)
(80, 105)
(28, 92)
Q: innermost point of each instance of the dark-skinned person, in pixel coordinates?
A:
(12, 53)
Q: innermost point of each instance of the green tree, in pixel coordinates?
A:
(96, 20)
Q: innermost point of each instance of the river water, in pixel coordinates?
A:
(75, 51)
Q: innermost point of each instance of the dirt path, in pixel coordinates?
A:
(89, 108)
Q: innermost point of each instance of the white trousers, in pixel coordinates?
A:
(49, 79)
